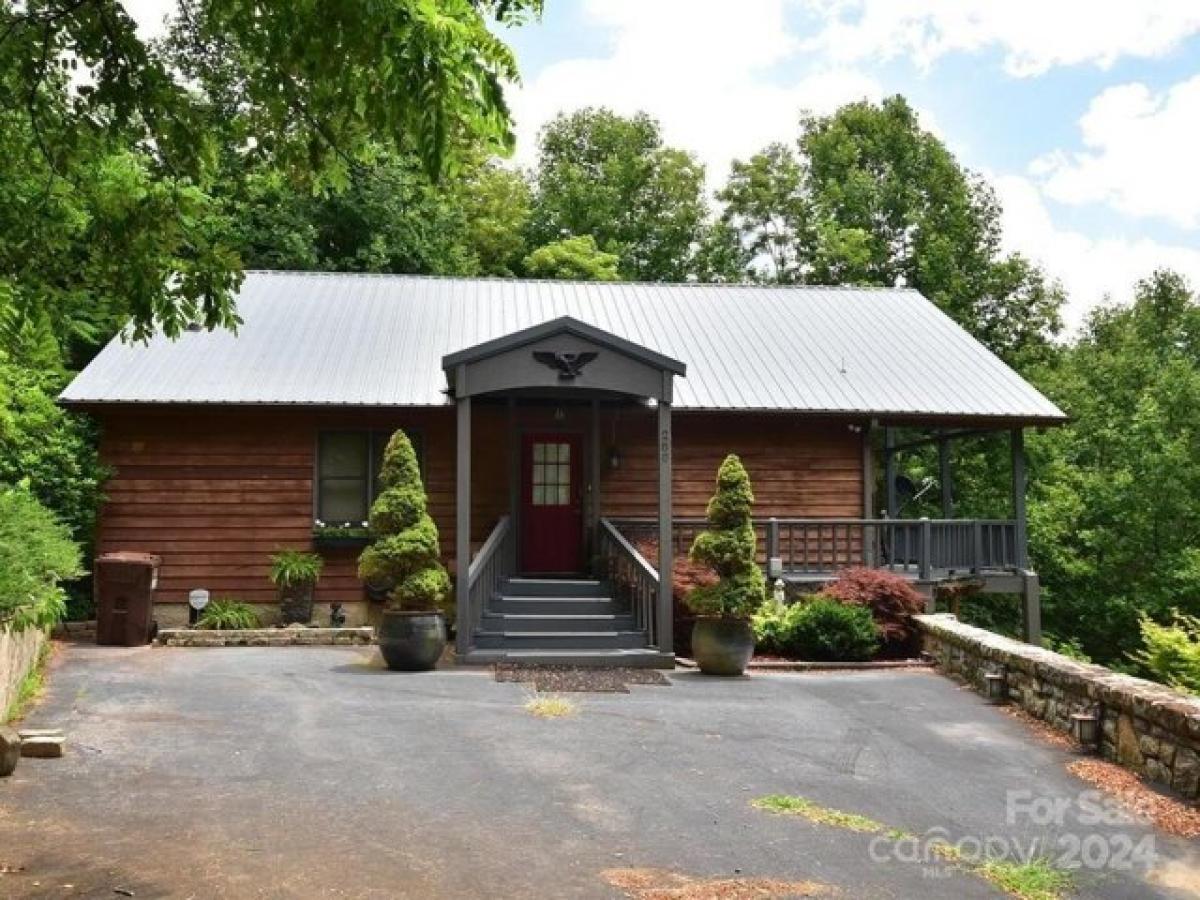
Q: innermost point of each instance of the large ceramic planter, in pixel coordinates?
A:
(296, 603)
(411, 641)
(722, 646)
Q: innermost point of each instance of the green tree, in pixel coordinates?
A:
(496, 204)
(1115, 502)
(405, 552)
(576, 258)
(117, 168)
(767, 203)
(727, 546)
(613, 178)
(870, 197)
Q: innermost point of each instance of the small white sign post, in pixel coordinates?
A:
(197, 600)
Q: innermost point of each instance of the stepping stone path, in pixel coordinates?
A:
(42, 743)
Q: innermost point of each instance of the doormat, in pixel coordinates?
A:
(578, 678)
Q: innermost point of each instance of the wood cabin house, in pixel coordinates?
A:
(555, 422)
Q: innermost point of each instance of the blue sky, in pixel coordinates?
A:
(1085, 116)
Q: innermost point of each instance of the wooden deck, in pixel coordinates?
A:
(927, 551)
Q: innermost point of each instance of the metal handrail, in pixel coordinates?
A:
(633, 579)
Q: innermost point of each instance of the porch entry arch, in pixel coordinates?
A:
(563, 359)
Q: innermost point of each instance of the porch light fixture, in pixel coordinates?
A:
(1085, 728)
(997, 684)
(559, 414)
(614, 458)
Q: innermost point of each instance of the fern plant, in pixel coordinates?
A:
(228, 615)
(1172, 652)
(292, 567)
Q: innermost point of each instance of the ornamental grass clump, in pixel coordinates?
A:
(727, 546)
(405, 553)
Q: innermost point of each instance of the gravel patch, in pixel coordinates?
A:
(578, 678)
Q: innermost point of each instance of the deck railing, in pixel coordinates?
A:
(495, 561)
(923, 548)
(633, 579)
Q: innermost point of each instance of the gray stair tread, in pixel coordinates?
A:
(563, 616)
(555, 634)
(575, 582)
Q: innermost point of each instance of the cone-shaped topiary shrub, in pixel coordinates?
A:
(728, 548)
(405, 551)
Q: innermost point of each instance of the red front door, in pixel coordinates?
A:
(551, 503)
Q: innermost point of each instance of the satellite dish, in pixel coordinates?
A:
(905, 487)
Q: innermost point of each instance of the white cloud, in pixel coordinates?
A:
(1033, 35)
(1141, 156)
(701, 67)
(1089, 267)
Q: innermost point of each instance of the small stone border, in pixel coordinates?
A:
(265, 637)
(797, 665)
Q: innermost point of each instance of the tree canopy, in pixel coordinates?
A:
(867, 196)
(612, 177)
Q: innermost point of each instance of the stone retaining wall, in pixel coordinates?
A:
(265, 637)
(18, 652)
(1145, 726)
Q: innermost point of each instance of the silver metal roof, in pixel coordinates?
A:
(378, 340)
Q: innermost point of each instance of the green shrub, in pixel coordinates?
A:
(406, 549)
(772, 628)
(226, 614)
(292, 567)
(819, 629)
(893, 601)
(36, 555)
(1172, 652)
(825, 629)
(727, 546)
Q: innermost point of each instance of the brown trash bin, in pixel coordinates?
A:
(124, 586)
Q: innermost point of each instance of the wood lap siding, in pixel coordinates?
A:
(799, 467)
(216, 491)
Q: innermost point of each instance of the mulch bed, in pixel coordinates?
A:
(578, 678)
(1168, 813)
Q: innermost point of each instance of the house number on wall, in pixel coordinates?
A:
(664, 446)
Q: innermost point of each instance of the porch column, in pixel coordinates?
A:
(868, 494)
(1017, 445)
(666, 562)
(889, 471)
(596, 462)
(946, 477)
(462, 521)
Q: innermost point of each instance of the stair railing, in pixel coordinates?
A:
(495, 561)
(633, 579)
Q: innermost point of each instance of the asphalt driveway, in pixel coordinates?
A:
(310, 772)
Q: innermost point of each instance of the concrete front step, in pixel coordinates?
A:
(638, 658)
(560, 640)
(556, 622)
(553, 587)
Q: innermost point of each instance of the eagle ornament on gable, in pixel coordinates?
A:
(568, 365)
